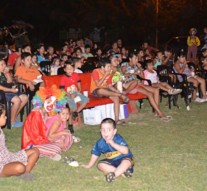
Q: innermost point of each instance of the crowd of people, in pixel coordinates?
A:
(116, 72)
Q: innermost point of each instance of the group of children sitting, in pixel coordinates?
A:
(48, 130)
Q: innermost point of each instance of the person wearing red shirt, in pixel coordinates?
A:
(71, 83)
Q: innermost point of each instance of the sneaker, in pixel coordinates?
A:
(17, 124)
(166, 118)
(128, 173)
(57, 157)
(204, 99)
(110, 177)
(76, 139)
(174, 91)
(188, 108)
(199, 100)
(177, 91)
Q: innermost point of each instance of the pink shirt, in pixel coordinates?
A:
(152, 76)
(51, 120)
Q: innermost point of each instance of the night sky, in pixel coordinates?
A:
(132, 20)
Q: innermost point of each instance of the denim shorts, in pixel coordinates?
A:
(10, 95)
(72, 104)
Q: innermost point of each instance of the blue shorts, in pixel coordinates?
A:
(117, 162)
(10, 95)
(72, 103)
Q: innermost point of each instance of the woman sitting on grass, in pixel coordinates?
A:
(20, 163)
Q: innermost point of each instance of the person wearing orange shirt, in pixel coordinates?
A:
(28, 75)
(101, 86)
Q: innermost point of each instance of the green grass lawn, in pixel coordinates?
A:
(170, 156)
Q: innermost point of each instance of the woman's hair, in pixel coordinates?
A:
(109, 120)
(2, 108)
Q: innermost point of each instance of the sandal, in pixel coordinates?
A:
(166, 118)
(121, 123)
(71, 162)
(169, 117)
(110, 177)
(124, 98)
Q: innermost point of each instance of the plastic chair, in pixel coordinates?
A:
(7, 104)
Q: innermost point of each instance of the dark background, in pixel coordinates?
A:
(132, 20)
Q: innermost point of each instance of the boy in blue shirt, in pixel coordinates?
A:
(119, 159)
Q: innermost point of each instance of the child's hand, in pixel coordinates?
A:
(107, 73)
(110, 141)
(87, 166)
(14, 90)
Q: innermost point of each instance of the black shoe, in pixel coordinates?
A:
(74, 115)
(128, 173)
(110, 177)
(70, 128)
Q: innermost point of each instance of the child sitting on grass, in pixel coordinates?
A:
(15, 164)
(119, 159)
(57, 131)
